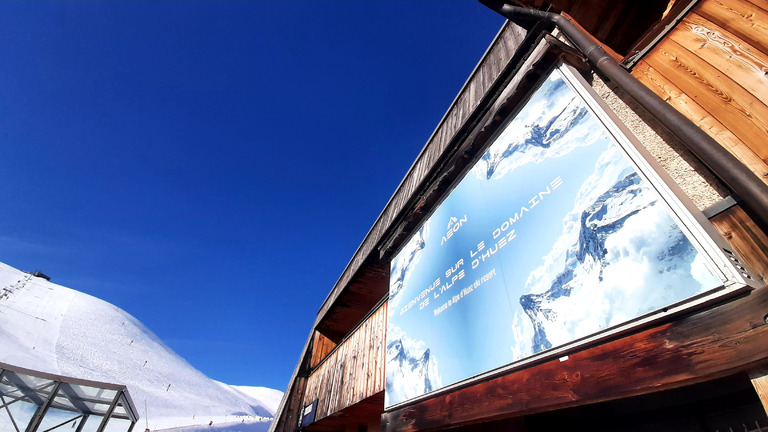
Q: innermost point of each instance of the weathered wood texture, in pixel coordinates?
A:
(748, 241)
(366, 413)
(464, 106)
(354, 371)
(713, 67)
(713, 343)
(368, 286)
(287, 419)
(321, 347)
(287, 413)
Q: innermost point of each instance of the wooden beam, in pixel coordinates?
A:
(748, 241)
(713, 343)
(365, 412)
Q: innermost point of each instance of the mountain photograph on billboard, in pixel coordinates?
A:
(552, 236)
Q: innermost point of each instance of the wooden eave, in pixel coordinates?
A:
(618, 24)
(365, 280)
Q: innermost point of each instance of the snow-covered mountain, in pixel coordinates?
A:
(599, 250)
(404, 263)
(411, 369)
(267, 397)
(553, 126)
(51, 328)
(616, 228)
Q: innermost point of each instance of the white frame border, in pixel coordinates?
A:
(689, 219)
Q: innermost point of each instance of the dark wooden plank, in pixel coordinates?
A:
(365, 370)
(362, 352)
(375, 341)
(325, 395)
(748, 241)
(339, 386)
(378, 343)
(347, 391)
(366, 412)
(318, 386)
(335, 371)
(688, 107)
(713, 343)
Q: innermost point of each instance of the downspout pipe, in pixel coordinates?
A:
(740, 179)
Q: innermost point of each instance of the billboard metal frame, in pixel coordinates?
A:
(721, 261)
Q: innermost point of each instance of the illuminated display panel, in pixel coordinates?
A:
(555, 236)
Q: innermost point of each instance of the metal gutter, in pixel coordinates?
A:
(632, 60)
(723, 164)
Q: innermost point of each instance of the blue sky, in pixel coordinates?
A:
(211, 167)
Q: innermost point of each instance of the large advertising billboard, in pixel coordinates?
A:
(552, 236)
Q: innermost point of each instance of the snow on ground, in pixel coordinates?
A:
(242, 425)
(267, 397)
(51, 328)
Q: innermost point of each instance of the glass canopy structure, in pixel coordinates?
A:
(32, 401)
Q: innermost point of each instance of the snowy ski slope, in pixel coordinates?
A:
(51, 328)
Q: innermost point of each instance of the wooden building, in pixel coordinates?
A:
(690, 366)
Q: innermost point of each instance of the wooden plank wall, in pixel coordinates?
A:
(713, 67)
(354, 371)
(321, 347)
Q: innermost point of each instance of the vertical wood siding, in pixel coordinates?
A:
(354, 371)
(713, 67)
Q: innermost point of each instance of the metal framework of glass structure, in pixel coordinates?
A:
(32, 401)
